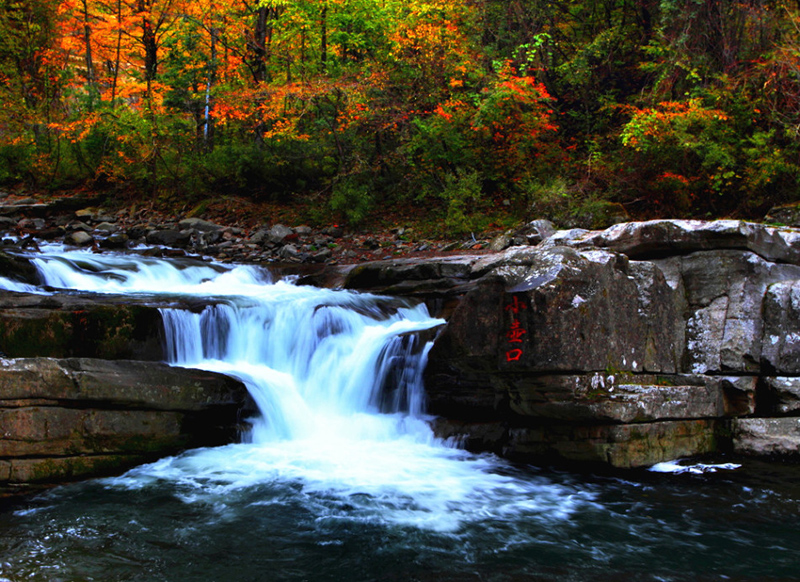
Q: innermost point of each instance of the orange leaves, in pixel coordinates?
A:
(75, 131)
(655, 123)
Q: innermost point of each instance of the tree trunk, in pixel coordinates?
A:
(323, 48)
(87, 40)
(257, 46)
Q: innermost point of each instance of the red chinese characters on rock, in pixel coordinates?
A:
(515, 330)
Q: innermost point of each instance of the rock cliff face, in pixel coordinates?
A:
(642, 343)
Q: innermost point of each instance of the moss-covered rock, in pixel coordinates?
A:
(35, 325)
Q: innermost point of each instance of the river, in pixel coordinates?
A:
(340, 477)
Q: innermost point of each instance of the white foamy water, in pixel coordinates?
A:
(337, 378)
(678, 466)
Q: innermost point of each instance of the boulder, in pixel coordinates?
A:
(535, 231)
(18, 269)
(169, 237)
(501, 241)
(660, 238)
(290, 253)
(79, 238)
(199, 224)
(279, 233)
(106, 227)
(767, 437)
(559, 310)
(71, 418)
(442, 276)
(116, 240)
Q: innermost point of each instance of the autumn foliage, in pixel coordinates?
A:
(685, 107)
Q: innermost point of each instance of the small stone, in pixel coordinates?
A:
(31, 224)
(199, 224)
(79, 238)
(107, 227)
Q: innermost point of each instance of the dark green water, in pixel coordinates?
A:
(730, 525)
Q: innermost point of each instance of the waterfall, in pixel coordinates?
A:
(309, 357)
(307, 361)
(339, 476)
(337, 379)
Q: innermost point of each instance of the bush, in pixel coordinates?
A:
(352, 198)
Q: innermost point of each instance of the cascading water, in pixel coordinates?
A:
(340, 476)
(336, 377)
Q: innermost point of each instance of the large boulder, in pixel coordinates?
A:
(571, 348)
(559, 310)
(64, 419)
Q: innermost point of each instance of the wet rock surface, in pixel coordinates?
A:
(630, 346)
(70, 418)
(110, 327)
(640, 343)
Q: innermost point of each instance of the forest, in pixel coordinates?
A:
(466, 112)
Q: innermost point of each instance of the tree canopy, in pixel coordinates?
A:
(563, 109)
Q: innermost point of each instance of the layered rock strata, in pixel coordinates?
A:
(63, 419)
(638, 344)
